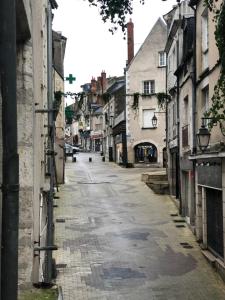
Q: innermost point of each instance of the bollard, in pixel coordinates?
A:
(90, 159)
(74, 159)
(103, 158)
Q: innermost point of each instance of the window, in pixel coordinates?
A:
(162, 59)
(186, 111)
(149, 87)
(205, 99)
(205, 102)
(147, 118)
(205, 39)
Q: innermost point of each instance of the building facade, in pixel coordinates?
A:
(145, 77)
(27, 225)
(210, 225)
(180, 87)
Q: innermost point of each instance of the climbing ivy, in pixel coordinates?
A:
(216, 113)
(163, 99)
(58, 99)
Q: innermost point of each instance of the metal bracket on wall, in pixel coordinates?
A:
(51, 152)
(42, 111)
(46, 248)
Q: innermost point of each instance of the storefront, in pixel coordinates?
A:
(145, 153)
(210, 199)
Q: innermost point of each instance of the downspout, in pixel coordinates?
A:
(10, 169)
(178, 194)
(194, 113)
(124, 132)
(50, 227)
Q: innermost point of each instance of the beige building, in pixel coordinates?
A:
(59, 45)
(209, 161)
(180, 126)
(33, 120)
(145, 76)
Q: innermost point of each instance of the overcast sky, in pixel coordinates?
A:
(91, 48)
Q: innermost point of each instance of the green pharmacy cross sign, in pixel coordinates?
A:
(70, 78)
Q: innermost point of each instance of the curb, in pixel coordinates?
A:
(60, 293)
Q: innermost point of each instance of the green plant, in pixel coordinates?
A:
(115, 11)
(39, 294)
(217, 111)
(163, 99)
(58, 99)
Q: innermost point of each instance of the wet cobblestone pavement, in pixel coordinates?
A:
(118, 240)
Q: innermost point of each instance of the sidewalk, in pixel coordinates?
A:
(119, 240)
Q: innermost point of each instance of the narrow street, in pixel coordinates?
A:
(119, 240)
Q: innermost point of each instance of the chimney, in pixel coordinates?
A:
(93, 85)
(103, 77)
(130, 41)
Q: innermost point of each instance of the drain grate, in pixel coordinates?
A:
(174, 215)
(179, 221)
(61, 266)
(187, 246)
(180, 226)
(60, 220)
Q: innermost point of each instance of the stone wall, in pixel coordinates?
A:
(25, 150)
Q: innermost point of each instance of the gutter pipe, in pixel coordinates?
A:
(10, 169)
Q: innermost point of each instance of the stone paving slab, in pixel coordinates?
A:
(119, 240)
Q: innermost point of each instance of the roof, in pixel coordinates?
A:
(158, 22)
(172, 33)
(116, 86)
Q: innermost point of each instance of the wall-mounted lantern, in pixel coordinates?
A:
(203, 137)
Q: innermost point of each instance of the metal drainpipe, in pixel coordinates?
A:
(194, 112)
(10, 184)
(178, 114)
(50, 227)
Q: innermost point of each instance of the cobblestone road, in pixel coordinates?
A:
(118, 240)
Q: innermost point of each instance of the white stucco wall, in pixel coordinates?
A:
(145, 66)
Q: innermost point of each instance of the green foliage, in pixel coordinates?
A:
(69, 113)
(40, 294)
(114, 11)
(163, 99)
(58, 99)
(217, 110)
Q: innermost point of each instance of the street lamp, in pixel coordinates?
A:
(155, 119)
(203, 137)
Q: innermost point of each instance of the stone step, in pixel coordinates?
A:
(146, 177)
(159, 187)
